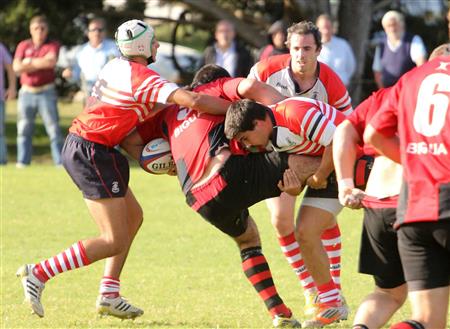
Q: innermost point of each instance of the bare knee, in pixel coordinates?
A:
(250, 238)
(116, 244)
(283, 224)
(397, 295)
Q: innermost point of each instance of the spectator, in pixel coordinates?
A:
(227, 52)
(277, 41)
(92, 56)
(35, 60)
(10, 93)
(336, 52)
(399, 52)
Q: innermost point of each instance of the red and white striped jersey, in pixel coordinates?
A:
(329, 88)
(302, 125)
(123, 96)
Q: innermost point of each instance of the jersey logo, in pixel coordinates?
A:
(115, 187)
(281, 86)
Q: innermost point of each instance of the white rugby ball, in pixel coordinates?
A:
(156, 157)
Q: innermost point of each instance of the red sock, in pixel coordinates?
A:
(258, 273)
(328, 293)
(70, 259)
(291, 250)
(331, 240)
(110, 287)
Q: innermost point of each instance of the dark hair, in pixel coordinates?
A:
(241, 116)
(303, 28)
(208, 73)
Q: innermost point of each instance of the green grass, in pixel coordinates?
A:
(181, 271)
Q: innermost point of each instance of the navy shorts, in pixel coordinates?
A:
(99, 171)
(425, 251)
(242, 181)
(379, 254)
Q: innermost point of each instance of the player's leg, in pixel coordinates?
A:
(257, 270)
(425, 253)
(282, 211)
(380, 258)
(379, 306)
(109, 302)
(312, 221)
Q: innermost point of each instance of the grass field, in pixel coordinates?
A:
(181, 271)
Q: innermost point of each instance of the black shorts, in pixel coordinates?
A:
(242, 181)
(425, 251)
(363, 166)
(99, 171)
(378, 255)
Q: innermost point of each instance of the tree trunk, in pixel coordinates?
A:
(354, 25)
(310, 10)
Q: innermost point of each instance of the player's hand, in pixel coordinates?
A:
(351, 197)
(317, 181)
(290, 183)
(172, 171)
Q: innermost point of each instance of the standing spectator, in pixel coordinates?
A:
(336, 52)
(227, 52)
(277, 41)
(399, 52)
(10, 93)
(35, 60)
(92, 56)
(411, 128)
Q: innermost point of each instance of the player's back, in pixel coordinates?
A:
(423, 121)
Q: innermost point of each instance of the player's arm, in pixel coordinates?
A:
(388, 146)
(259, 91)
(319, 179)
(345, 145)
(200, 102)
(133, 145)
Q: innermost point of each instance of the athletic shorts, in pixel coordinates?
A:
(327, 198)
(99, 171)
(425, 252)
(242, 181)
(378, 255)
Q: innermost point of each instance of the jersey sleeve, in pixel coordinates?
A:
(386, 119)
(20, 50)
(253, 74)
(149, 87)
(226, 88)
(357, 117)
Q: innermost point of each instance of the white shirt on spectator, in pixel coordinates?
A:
(416, 51)
(338, 54)
(227, 59)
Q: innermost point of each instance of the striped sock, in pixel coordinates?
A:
(70, 259)
(328, 293)
(110, 287)
(258, 273)
(331, 240)
(291, 250)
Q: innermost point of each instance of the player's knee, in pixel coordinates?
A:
(282, 224)
(117, 244)
(397, 295)
(306, 232)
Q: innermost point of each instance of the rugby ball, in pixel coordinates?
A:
(156, 157)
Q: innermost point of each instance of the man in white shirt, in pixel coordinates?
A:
(92, 56)
(336, 52)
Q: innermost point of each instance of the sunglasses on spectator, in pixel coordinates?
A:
(97, 29)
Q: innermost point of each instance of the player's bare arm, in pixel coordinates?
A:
(318, 180)
(345, 142)
(259, 91)
(387, 146)
(199, 102)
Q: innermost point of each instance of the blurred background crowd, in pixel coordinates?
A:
(369, 44)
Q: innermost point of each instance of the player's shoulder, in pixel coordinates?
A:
(271, 65)
(326, 73)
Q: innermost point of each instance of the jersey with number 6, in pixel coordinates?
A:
(418, 107)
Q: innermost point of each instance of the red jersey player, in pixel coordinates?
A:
(378, 254)
(411, 128)
(300, 74)
(220, 186)
(125, 94)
